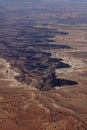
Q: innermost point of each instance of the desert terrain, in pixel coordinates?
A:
(43, 66)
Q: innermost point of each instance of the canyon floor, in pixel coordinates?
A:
(24, 107)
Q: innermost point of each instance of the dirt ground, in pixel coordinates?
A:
(65, 108)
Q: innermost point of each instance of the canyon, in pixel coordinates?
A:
(43, 65)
